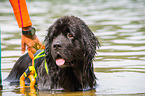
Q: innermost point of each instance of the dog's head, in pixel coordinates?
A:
(68, 40)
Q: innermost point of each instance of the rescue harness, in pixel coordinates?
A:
(31, 72)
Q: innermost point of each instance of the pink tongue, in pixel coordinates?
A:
(60, 62)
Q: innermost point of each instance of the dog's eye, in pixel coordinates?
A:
(70, 35)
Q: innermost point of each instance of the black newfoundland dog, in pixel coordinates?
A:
(70, 47)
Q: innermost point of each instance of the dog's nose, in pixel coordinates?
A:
(57, 46)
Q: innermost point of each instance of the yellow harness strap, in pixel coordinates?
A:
(41, 54)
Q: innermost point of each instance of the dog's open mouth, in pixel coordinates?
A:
(59, 60)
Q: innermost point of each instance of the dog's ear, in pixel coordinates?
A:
(46, 37)
(47, 42)
(90, 41)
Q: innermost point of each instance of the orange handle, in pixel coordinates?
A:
(22, 81)
(30, 54)
(31, 75)
(43, 46)
(32, 80)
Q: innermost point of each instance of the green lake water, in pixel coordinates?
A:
(118, 24)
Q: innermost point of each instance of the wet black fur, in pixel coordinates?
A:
(78, 51)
